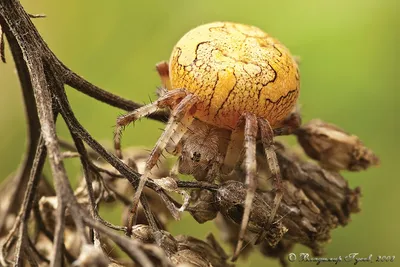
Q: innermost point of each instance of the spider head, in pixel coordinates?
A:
(201, 153)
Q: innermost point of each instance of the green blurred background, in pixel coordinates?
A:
(349, 56)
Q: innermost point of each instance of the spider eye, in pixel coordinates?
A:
(236, 213)
(196, 157)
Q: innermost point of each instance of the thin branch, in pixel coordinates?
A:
(77, 82)
(30, 257)
(88, 178)
(30, 192)
(37, 253)
(56, 256)
(2, 53)
(70, 147)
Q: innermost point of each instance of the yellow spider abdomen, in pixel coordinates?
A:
(234, 68)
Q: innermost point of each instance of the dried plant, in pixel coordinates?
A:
(42, 225)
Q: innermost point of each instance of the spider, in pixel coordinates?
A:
(235, 82)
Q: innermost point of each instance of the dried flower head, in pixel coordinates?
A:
(334, 148)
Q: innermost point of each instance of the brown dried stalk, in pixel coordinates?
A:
(42, 78)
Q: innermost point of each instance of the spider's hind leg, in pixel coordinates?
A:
(267, 136)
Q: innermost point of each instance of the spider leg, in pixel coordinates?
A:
(234, 150)
(182, 112)
(250, 136)
(267, 135)
(163, 72)
(167, 100)
(174, 146)
(174, 172)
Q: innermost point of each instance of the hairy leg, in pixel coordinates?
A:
(174, 172)
(250, 136)
(168, 100)
(267, 136)
(235, 148)
(174, 145)
(182, 112)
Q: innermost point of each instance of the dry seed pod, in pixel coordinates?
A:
(183, 249)
(210, 250)
(158, 245)
(143, 232)
(202, 205)
(189, 258)
(318, 200)
(72, 240)
(325, 189)
(44, 245)
(299, 219)
(147, 235)
(305, 222)
(47, 208)
(231, 197)
(334, 148)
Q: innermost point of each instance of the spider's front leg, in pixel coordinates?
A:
(250, 136)
(168, 100)
(181, 117)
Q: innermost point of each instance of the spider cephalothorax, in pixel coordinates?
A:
(240, 83)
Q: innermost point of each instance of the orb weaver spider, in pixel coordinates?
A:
(233, 78)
